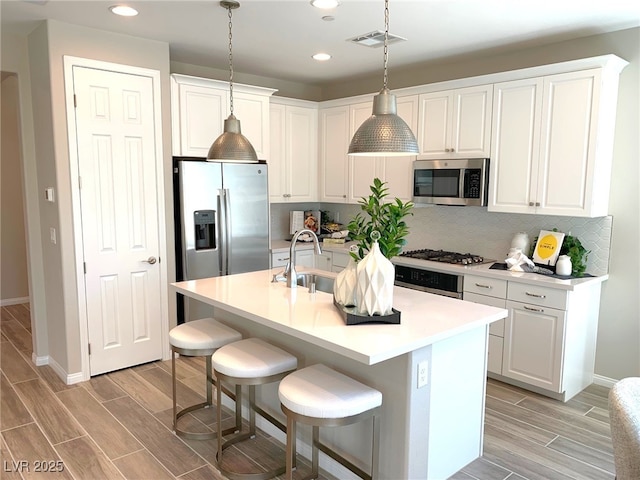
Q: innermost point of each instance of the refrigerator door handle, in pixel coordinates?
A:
(227, 230)
(221, 233)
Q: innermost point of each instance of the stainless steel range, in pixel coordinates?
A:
(418, 276)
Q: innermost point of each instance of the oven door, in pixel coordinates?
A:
(428, 281)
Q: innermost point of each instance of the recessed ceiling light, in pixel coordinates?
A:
(123, 10)
(325, 4)
(321, 57)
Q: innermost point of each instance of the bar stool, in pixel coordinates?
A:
(198, 338)
(322, 397)
(249, 362)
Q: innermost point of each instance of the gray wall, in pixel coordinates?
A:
(14, 285)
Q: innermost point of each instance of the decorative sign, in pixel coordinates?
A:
(548, 247)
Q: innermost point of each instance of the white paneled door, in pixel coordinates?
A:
(116, 146)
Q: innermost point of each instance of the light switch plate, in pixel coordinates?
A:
(52, 235)
(49, 194)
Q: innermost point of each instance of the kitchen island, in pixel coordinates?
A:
(431, 368)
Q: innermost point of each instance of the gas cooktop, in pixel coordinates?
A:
(446, 257)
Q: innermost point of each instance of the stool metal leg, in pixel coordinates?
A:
(314, 451)
(252, 411)
(375, 456)
(291, 448)
(173, 377)
(209, 380)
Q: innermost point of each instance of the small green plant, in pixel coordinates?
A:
(384, 217)
(572, 247)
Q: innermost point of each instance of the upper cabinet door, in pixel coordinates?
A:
(398, 171)
(515, 146)
(334, 143)
(568, 144)
(551, 150)
(197, 120)
(362, 170)
(294, 154)
(199, 107)
(455, 123)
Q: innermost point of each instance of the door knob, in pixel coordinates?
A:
(150, 260)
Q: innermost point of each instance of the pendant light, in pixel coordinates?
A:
(231, 145)
(384, 133)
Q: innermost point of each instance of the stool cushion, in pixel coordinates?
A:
(252, 358)
(202, 334)
(320, 392)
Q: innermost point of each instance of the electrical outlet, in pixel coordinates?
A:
(423, 373)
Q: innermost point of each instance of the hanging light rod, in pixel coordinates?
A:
(231, 145)
(384, 133)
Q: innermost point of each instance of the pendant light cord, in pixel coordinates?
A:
(386, 40)
(230, 60)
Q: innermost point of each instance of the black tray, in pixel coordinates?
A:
(351, 317)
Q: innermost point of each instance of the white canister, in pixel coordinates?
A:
(563, 266)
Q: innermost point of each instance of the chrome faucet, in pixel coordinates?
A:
(290, 269)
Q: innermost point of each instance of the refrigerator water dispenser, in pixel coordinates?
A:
(205, 229)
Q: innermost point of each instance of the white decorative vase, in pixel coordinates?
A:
(563, 266)
(344, 287)
(374, 292)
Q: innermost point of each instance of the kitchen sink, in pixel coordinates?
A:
(323, 284)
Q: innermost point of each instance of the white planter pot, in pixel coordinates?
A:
(375, 277)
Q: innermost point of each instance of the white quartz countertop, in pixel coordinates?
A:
(484, 270)
(312, 317)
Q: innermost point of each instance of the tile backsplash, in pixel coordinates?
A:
(473, 229)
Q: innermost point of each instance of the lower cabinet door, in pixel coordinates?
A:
(534, 346)
(494, 360)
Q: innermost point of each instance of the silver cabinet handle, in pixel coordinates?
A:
(531, 204)
(537, 204)
(150, 260)
(533, 309)
(479, 285)
(536, 295)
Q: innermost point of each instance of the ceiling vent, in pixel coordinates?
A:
(375, 39)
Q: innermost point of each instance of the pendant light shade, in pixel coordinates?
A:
(231, 145)
(384, 133)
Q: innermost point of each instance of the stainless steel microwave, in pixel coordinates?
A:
(458, 181)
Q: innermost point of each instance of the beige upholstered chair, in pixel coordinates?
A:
(624, 413)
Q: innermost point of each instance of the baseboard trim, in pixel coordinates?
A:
(604, 381)
(13, 301)
(39, 361)
(69, 379)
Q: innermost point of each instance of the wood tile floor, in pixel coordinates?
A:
(118, 425)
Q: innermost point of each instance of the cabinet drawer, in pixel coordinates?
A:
(279, 259)
(536, 295)
(485, 286)
(496, 328)
(340, 260)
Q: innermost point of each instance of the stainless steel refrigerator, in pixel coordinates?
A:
(222, 223)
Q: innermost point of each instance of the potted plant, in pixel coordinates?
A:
(383, 217)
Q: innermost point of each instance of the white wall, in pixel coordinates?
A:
(47, 46)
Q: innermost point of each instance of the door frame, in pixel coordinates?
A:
(69, 63)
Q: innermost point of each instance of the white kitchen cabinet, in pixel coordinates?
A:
(331, 261)
(303, 257)
(548, 340)
(455, 123)
(552, 144)
(397, 172)
(492, 292)
(199, 107)
(346, 178)
(334, 144)
(293, 163)
(534, 346)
